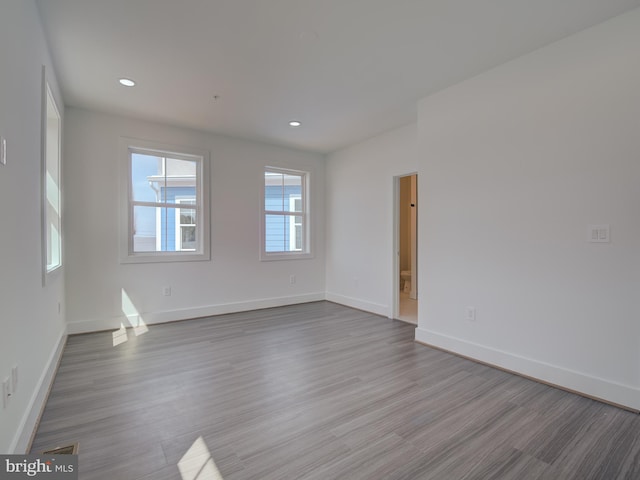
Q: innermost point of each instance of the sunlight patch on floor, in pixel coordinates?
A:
(134, 319)
(197, 463)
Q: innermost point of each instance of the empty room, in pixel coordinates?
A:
(298, 239)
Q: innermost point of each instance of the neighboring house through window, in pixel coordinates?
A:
(186, 225)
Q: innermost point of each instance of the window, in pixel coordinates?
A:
(51, 179)
(285, 219)
(186, 226)
(166, 211)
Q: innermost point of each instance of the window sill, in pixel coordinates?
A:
(278, 256)
(169, 257)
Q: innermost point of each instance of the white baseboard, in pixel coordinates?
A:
(22, 441)
(150, 318)
(371, 307)
(597, 388)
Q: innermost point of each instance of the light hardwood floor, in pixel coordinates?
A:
(318, 391)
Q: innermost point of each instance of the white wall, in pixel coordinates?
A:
(359, 232)
(30, 327)
(514, 164)
(234, 280)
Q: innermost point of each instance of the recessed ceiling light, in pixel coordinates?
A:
(127, 82)
(294, 123)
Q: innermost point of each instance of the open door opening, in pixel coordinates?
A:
(406, 249)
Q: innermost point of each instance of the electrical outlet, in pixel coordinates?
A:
(292, 279)
(6, 392)
(14, 378)
(471, 314)
(166, 291)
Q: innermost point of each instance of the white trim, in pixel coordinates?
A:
(395, 260)
(29, 423)
(625, 395)
(378, 309)
(151, 318)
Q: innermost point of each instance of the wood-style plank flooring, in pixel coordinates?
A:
(317, 391)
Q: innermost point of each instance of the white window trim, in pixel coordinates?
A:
(49, 273)
(307, 249)
(127, 255)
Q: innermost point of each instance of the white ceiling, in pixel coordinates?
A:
(347, 69)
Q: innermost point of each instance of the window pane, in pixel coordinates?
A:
(274, 191)
(280, 192)
(145, 233)
(158, 229)
(188, 237)
(292, 192)
(181, 175)
(187, 217)
(276, 233)
(186, 224)
(147, 178)
(282, 234)
(298, 239)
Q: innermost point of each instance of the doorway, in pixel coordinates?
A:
(406, 248)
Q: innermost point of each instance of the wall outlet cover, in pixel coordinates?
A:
(6, 392)
(3, 151)
(14, 378)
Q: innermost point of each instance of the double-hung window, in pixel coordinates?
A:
(166, 211)
(285, 215)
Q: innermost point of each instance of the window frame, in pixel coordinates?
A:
(51, 270)
(307, 250)
(129, 146)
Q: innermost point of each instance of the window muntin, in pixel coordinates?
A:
(285, 220)
(158, 226)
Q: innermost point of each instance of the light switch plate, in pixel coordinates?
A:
(599, 234)
(3, 150)
(6, 392)
(14, 378)
(471, 314)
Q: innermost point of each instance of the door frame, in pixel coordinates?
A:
(396, 246)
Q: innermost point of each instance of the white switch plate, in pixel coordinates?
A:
(598, 234)
(6, 392)
(14, 378)
(3, 150)
(166, 291)
(471, 314)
